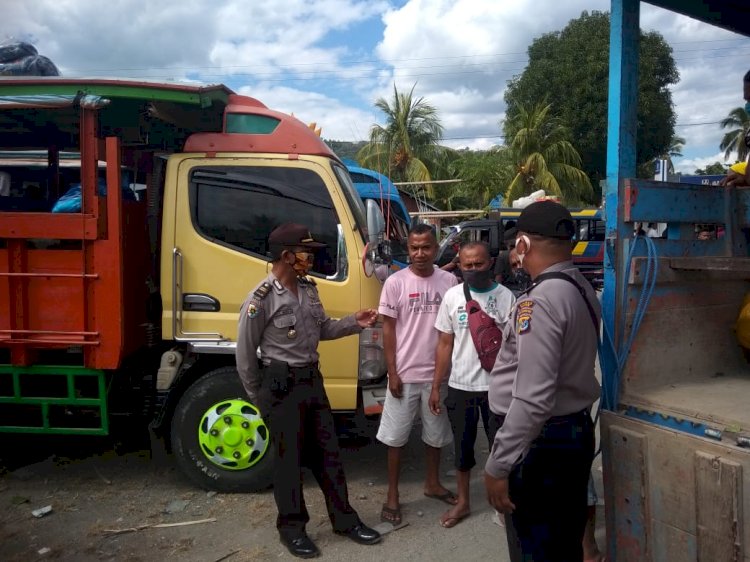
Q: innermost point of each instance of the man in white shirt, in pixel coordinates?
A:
(468, 383)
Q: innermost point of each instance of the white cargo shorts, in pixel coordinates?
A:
(399, 414)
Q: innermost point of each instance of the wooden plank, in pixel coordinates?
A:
(61, 226)
(719, 401)
(671, 488)
(671, 543)
(707, 347)
(718, 499)
(627, 500)
(665, 273)
(728, 264)
(691, 295)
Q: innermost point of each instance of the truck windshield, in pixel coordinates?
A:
(353, 199)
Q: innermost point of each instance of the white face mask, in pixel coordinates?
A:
(525, 239)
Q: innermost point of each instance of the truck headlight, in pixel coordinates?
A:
(371, 355)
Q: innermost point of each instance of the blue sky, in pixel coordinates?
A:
(328, 60)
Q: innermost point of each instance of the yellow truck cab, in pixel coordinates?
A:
(146, 289)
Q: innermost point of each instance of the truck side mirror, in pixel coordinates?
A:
(375, 222)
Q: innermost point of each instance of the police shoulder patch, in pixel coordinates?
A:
(253, 308)
(262, 291)
(523, 318)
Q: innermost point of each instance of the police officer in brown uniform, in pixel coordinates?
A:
(283, 316)
(544, 383)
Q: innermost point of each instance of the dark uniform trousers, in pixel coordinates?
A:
(302, 428)
(549, 490)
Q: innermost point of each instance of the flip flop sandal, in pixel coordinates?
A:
(450, 522)
(390, 515)
(448, 497)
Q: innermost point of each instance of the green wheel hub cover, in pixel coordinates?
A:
(232, 435)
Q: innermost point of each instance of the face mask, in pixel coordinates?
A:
(521, 279)
(477, 278)
(302, 263)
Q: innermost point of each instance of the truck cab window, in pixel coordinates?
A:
(238, 206)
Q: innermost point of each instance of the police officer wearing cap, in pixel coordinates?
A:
(283, 316)
(544, 384)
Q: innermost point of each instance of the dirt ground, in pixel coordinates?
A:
(105, 505)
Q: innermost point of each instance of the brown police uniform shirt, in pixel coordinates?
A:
(545, 367)
(287, 327)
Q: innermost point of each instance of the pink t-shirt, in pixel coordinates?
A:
(414, 302)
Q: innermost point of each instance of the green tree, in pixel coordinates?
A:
(738, 121)
(570, 70)
(715, 169)
(483, 174)
(542, 157)
(406, 147)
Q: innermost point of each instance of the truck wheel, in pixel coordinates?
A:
(219, 439)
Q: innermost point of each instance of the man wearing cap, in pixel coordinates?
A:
(544, 383)
(283, 316)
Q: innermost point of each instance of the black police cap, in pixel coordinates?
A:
(548, 219)
(293, 234)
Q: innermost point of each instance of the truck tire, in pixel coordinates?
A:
(218, 438)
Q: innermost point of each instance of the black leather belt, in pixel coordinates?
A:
(305, 371)
(569, 417)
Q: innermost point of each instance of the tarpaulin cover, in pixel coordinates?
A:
(51, 101)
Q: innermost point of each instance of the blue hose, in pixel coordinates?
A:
(611, 385)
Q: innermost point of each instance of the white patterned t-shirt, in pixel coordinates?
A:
(452, 318)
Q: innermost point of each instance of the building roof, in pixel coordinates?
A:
(733, 15)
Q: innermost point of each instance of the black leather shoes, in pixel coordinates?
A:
(301, 547)
(361, 534)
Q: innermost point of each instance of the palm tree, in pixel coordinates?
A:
(543, 157)
(734, 141)
(674, 151)
(646, 169)
(405, 148)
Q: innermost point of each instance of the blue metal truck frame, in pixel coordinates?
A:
(675, 422)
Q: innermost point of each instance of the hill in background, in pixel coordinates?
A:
(345, 149)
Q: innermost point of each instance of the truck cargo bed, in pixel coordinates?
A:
(719, 399)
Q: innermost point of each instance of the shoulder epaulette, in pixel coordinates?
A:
(308, 281)
(262, 291)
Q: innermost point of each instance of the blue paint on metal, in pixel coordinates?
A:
(667, 421)
(675, 202)
(621, 135)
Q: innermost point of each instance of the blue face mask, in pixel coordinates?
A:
(747, 106)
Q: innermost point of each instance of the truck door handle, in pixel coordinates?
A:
(200, 302)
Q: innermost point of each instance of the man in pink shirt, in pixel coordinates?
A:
(409, 304)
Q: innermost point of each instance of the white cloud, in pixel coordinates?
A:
(306, 56)
(689, 165)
